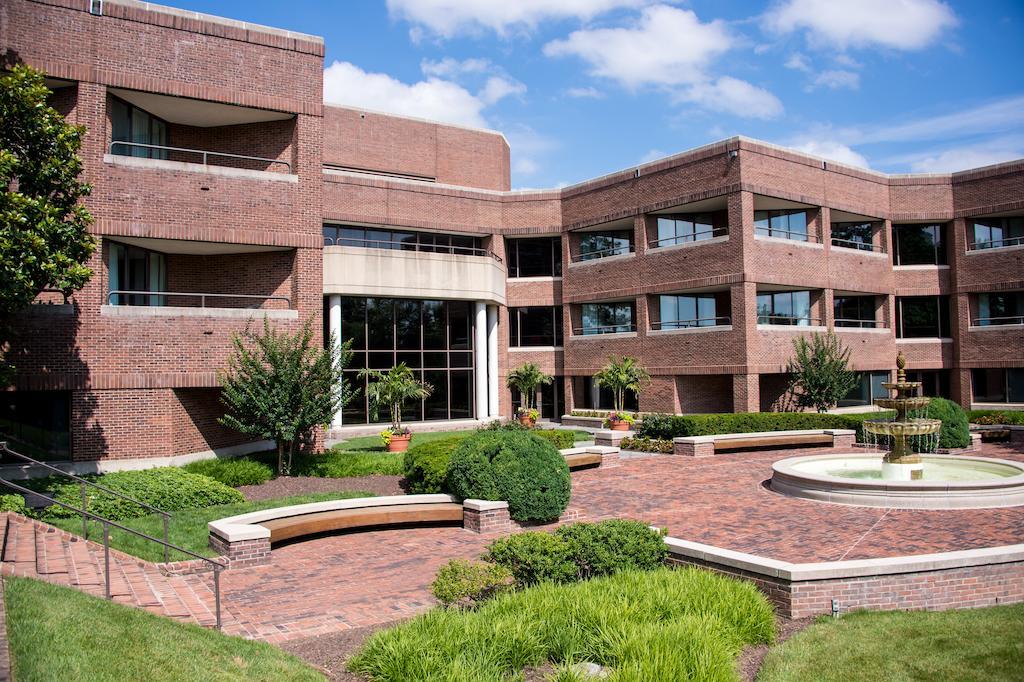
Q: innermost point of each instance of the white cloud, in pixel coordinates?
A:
(666, 46)
(833, 151)
(974, 155)
(497, 88)
(447, 18)
(453, 68)
(897, 24)
(836, 79)
(798, 62)
(585, 93)
(733, 96)
(528, 148)
(525, 166)
(652, 155)
(434, 99)
(847, 61)
(994, 117)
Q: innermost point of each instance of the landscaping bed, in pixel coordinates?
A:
(286, 486)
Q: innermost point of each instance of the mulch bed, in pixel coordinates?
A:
(328, 653)
(301, 485)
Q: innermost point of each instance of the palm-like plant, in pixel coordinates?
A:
(526, 378)
(392, 389)
(621, 375)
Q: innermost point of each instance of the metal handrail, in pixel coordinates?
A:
(791, 320)
(82, 483)
(611, 251)
(684, 238)
(997, 243)
(860, 246)
(694, 323)
(772, 231)
(202, 296)
(615, 328)
(416, 246)
(991, 321)
(205, 154)
(863, 324)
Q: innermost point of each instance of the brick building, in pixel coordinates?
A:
(226, 192)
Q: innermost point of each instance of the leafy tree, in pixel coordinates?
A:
(392, 389)
(44, 243)
(819, 371)
(280, 386)
(621, 375)
(526, 378)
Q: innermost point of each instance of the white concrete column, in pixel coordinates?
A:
(334, 327)
(492, 361)
(480, 358)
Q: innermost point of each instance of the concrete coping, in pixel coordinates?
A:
(760, 434)
(591, 449)
(188, 167)
(857, 568)
(186, 311)
(484, 505)
(980, 428)
(246, 526)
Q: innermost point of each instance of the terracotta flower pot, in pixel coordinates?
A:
(620, 426)
(527, 420)
(399, 443)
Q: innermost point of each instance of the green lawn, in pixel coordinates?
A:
(188, 528)
(57, 633)
(973, 644)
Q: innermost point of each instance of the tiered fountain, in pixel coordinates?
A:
(902, 477)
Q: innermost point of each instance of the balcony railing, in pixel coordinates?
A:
(201, 153)
(392, 245)
(688, 238)
(853, 244)
(602, 253)
(701, 322)
(857, 324)
(604, 329)
(998, 321)
(789, 320)
(997, 243)
(158, 298)
(778, 233)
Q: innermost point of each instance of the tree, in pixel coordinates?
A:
(279, 386)
(621, 375)
(819, 371)
(44, 243)
(525, 379)
(392, 389)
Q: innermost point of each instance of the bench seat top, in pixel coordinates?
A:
(340, 519)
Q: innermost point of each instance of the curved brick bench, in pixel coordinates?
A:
(706, 446)
(593, 455)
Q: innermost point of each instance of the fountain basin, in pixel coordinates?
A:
(948, 481)
(911, 427)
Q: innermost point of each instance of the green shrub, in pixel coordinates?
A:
(1002, 417)
(534, 557)
(612, 546)
(955, 431)
(336, 463)
(425, 466)
(663, 445)
(469, 583)
(232, 472)
(167, 488)
(603, 414)
(560, 438)
(516, 466)
(13, 503)
(668, 426)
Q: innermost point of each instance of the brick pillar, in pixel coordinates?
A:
(242, 553)
(746, 393)
(960, 386)
(485, 516)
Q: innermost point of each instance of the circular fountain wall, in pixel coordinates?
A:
(946, 482)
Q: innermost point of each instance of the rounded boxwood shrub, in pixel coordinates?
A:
(13, 503)
(534, 557)
(426, 465)
(615, 545)
(167, 488)
(955, 431)
(232, 472)
(516, 466)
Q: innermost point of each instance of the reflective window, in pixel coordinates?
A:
(869, 389)
(131, 268)
(590, 396)
(854, 311)
(787, 224)
(603, 244)
(37, 423)
(854, 236)
(1005, 307)
(402, 240)
(680, 312)
(997, 385)
(683, 229)
(606, 318)
(785, 307)
(934, 382)
(540, 257)
(993, 233)
(535, 326)
(137, 129)
(922, 317)
(919, 244)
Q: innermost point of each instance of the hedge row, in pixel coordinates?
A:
(668, 426)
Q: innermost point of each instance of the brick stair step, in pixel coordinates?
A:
(51, 556)
(170, 603)
(138, 585)
(196, 596)
(84, 568)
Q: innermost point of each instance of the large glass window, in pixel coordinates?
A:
(686, 228)
(37, 423)
(540, 257)
(934, 382)
(681, 312)
(919, 244)
(131, 268)
(869, 389)
(535, 326)
(606, 318)
(136, 128)
(854, 311)
(550, 401)
(993, 233)
(922, 317)
(402, 240)
(787, 224)
(854, 236)
(590, 396)
(785, 307)
(997, 385)
(434, 338)
(603, 244)
(1005, 307)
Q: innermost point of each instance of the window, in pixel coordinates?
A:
(133, 126)
(869, 389)
(540, 257)
(854, 311)
(603, 244)
(535, 326)
(997, 385)
(683, 229)
(681, 312)
(854, 236)
(922, 317)
(919, 244)
(934, 382)
(786, 308)
(606, 318)
(788, 224)
(402, 240)
(434, 338)
(1000, 308)
(595, 397)
(131, 268)
(993, 233)
(37, 423)
(550, 402)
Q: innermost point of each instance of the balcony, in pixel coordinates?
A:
(690, 239)
(602, 330)
(140, 155)
(131, 303)
(790, 322)
(697, 325)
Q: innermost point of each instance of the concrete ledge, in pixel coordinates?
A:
(484, 505)
(609, 438)
(184, 166)
(704, 446)
(137, 311)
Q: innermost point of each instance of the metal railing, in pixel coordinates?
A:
(856, 245)
(202, 296)
(789, 320)
(200, 152)
(108, 523)
(602, 253)
(862, 324)
(998, 321)
(779, 233)
(694, 323)
(997, 243)
(686, 238)
(604, 329)
(393, 245)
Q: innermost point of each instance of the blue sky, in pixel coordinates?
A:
(586, 87)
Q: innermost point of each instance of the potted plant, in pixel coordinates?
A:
(619, 421)
(392, 389)
(621, 375)
(525, 379)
